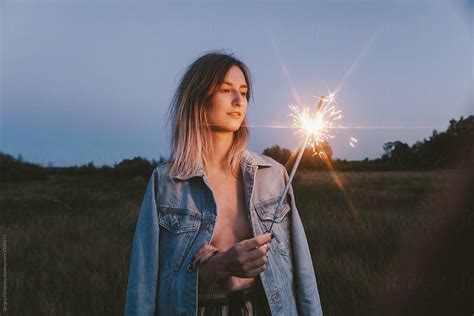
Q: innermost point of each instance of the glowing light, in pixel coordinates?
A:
(316, 125)
(352, 142)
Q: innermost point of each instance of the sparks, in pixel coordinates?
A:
(316, 125)
(352, 142)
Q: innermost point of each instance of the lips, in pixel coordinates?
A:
(235, 114)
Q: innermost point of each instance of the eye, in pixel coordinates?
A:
(243, 93)
(225, 90)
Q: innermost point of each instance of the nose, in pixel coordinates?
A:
(238, 99)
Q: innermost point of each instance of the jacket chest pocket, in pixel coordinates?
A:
(178, 228)
(267, 213)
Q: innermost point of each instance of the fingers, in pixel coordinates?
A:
(206, 252)
(204, 249)
(256, 242)
(257, 263)
(203, 257)
(257, 271)
(258, 252)
(256, 260)
(253, 268)
(247, 257)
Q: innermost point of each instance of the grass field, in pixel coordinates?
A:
(395, 243)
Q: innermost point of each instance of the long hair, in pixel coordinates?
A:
(191, 143)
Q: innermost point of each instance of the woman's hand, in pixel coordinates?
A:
(204, 254)
(246, 259)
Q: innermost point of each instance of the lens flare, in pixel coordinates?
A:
(316, 125)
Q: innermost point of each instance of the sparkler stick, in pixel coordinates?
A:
(293, 171)
(310, 130)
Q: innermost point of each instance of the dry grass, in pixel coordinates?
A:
(386, 255)
(69, 240)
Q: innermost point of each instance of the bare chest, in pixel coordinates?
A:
(233, 224)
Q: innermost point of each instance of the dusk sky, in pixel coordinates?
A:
(92, 80)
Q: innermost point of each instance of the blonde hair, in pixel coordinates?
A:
(191, 144)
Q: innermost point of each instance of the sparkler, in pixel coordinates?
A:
(315, 127)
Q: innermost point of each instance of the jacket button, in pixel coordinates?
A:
(190, 267)
(275, 296)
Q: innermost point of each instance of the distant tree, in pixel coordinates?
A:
(314, 158)
(461, 134)
(278, 153)
(387, 148)
(162, 160)
(324, 147)
(400, 154)
(88, 168)
(450, 149)
(12, 169)
(134, 167)
(309, 160)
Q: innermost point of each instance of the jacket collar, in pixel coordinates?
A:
(250, 158)
(254, 159)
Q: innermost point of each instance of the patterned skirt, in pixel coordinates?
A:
(247, 302)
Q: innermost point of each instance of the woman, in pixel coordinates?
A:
(200, 246)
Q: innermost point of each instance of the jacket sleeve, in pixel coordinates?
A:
(306, 288)
(143, 272)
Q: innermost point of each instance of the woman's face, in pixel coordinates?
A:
(229, 103)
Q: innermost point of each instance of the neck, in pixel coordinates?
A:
(221, 143)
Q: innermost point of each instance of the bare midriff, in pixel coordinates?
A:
(232, 226)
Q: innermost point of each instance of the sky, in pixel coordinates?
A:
(85, 81)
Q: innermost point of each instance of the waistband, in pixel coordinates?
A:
(248, 292)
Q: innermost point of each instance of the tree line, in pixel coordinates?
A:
(12, 169)
(453, 148)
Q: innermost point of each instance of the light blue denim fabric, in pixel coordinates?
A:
(177, 218)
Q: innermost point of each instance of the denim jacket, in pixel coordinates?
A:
(178, 217)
